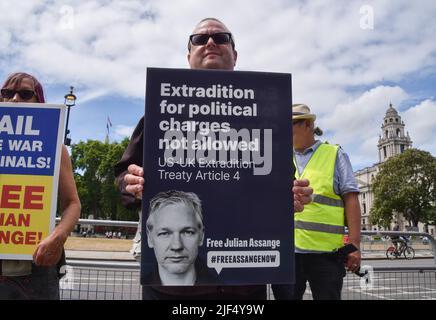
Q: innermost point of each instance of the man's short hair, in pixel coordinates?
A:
(232, 38)
(163, 199)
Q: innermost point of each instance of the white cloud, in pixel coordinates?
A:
(421, 124)
(122, 131)
(112, 42)
(103, 47)
(356, 124)
(5, 40)
(88, 95)
(363, 114)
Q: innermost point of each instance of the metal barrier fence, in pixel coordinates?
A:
(104, 281)
(394, 284)
(101, 281)
(429, 237)
(121, 281)
(387, 283)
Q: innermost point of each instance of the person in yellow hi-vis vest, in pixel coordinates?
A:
(319, 228)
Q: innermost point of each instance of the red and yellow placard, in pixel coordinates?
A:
(30, 152)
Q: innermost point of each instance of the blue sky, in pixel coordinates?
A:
(349, 59)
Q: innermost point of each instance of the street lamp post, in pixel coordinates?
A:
(70, 101)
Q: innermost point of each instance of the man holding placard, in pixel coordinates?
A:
(211, 46)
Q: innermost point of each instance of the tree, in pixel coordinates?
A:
(93, 163)
(431, 215)
(405, 184)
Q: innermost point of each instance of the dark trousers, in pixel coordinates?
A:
(324, 272)
(43, 283)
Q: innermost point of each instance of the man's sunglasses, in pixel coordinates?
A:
(200, 39)
(24, 94)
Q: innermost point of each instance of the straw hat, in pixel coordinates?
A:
(301, 111)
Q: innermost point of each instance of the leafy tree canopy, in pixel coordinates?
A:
(405, 184)
(93, 163)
